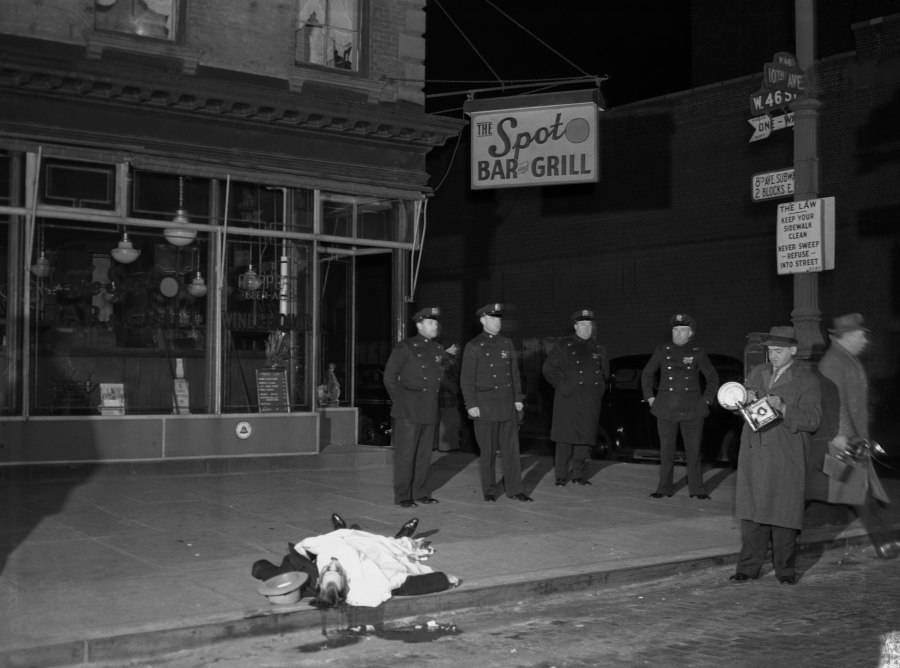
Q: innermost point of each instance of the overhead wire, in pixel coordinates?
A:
(468, 41)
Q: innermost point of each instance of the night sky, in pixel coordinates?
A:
(646, 47)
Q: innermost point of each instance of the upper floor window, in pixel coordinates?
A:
(328, 33)
(156, 19)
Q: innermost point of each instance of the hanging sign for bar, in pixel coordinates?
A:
(534, 140)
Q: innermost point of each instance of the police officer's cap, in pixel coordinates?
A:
(495, 310)
(432, 312)
(583, 314)
(683, 320)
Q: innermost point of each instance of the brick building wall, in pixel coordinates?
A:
(671, 225)
(251, 37)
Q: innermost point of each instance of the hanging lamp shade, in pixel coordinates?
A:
(41, 268)
(125, 252)
(251, 279)
(180, 234)
(197, 286)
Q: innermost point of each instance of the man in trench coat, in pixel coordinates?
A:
(577, 368)
(769, 498)
(848, 418)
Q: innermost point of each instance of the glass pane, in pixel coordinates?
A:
(373, 346)
(377, 220)
(154, 19)
(161, 196)
(268, 303)
(138, 324)
(6, 398)
(328, 33)
(334, 338)
(78, 184)
(337, 216)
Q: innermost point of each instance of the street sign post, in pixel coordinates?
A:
(783, 82)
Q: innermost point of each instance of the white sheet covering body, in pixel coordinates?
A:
(374, 565)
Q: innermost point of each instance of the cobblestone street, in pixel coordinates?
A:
(843, 612)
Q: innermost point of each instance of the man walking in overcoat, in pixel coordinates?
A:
(771, 463)
(492, 391)
(679, 403)
(412, 377)
(828, 478)
(577, 368)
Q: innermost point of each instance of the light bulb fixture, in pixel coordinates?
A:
(181, 235)
(125, 252)
(41, 268)
(197, 287)
(251, 280)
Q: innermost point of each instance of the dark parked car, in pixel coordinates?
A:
(628, 429)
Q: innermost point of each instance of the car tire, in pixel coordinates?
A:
(603, 448)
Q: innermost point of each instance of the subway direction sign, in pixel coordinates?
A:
(772, 185)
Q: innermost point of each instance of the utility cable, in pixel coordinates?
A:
(531, 34)
(468, 41)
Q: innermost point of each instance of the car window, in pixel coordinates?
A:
(628, 379)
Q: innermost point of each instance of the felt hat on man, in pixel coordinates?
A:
(583, 314)
(780, 336)
(495, 310)
(429, 312)
(849, 322)
(682, 320)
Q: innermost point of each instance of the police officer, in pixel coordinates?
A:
(412, 377)
(577, 368)
(679, 402)
(492, 392)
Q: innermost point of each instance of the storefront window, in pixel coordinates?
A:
(268, 306)
(138, 327)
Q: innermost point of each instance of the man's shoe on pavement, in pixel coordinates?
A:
(582, 481)
(408, 528)
(409, 503)
(659, 495)
(787, 579)
(561, 482)
(490, 497)
(427, 499)
(740, 577)
(338, 522)
(704, 497)
(521, 496)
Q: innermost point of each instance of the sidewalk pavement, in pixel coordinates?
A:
(131, 560)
